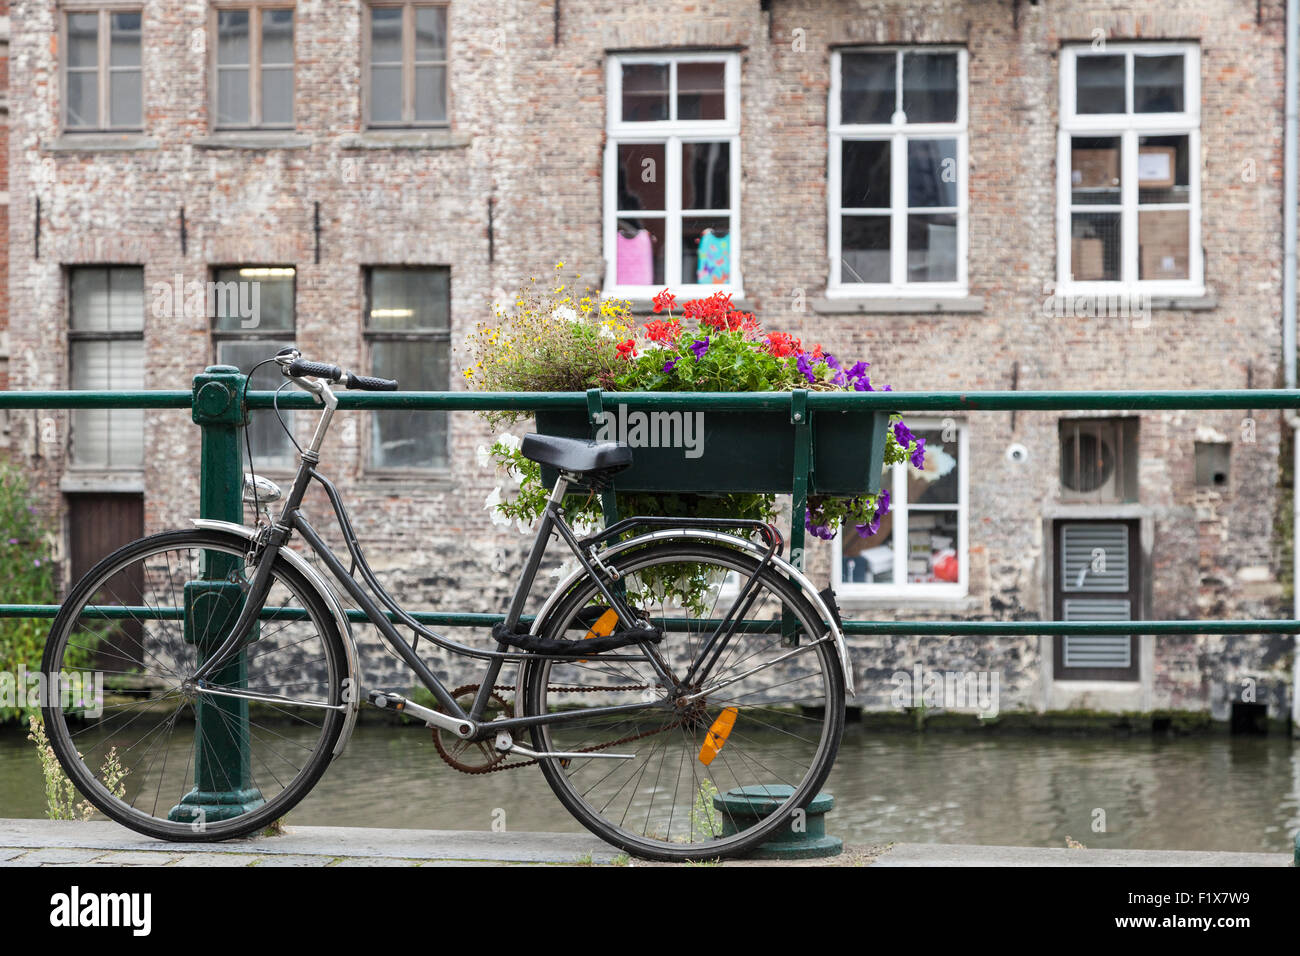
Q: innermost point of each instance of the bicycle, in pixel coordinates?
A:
(682, 666)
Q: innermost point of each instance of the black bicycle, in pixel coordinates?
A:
(682, 690)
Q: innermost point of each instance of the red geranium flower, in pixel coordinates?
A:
(665, 300)
(626, 349)
(659, 330)
(783, 344)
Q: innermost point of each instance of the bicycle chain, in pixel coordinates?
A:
(502, 765)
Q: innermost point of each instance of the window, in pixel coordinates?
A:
(897, 172)
(106, 352)
(102, 82)
(672, 174)
(920, 548)
(407, 49)
(1098, 578)
(1099, 459)
(253, 318)
(408, 330)
(1129, 168)
(253, 67)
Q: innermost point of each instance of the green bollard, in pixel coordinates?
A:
(223, 786)
(803, 839)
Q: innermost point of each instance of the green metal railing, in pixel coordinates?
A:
(215, 408)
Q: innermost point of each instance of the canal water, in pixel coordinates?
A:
(1192, 793)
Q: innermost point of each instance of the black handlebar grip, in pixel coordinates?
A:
(368, 383)
(301, 367)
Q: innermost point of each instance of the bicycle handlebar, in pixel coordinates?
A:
(299, 367)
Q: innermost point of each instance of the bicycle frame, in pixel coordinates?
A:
(466, 724)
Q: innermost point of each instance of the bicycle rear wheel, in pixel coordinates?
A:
(154, 752)
(765, 721)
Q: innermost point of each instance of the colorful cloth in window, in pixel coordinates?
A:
(713, 260)
(636, 265)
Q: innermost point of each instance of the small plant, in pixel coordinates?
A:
(60, 795)
(584, 860)
(705, 819)
(621, 860)
(274, 829)
(1073, 844)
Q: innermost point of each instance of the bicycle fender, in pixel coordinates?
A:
(717, 537)
(318, 583)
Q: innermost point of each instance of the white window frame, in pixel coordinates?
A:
(672, 134)
(897, 484)
(897, 133)
(1129, 127)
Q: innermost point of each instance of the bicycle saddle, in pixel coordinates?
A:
(579, 456)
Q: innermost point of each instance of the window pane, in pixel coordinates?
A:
(1094, 246)
(1158, 84)
(868, 560)
(409, 299)
(645, 92)
(232, 37)
(706, 175)
(1163, 169)
(271, 446)
(232, 96)
(385, 94)
(1099, 84)
(124, 98)
(101, 437)
(1095, 170)
(402, 439)
(936, 483)
(932, 248)
(930, 87)
(640, 255)
(106, 300)
(932, 538)
(864, 249)
(932, 172)
(1164, 237)
(430, 94)
(706, 251)
(277, 36)
(83, 39)
(701, 91)
(865, 174)
(277, 96)
(641, 172)
(253, 298)
(124, 39)
(431, 33)
(83, 99)
(385, 34)
(868, 87)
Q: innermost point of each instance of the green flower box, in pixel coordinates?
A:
(718, 452)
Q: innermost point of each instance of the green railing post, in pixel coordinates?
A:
(608, 497)
(223, 780)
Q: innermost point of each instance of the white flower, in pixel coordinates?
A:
(493, 500)
(509, 442)
(567, 567)
(566, 313)
(525, 527)
(606, 332)
(484, 457)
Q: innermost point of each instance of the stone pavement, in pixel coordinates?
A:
(103, 843)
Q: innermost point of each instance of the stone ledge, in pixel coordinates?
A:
(254, 139)
(897, 305)
(406, 139)
(100, 143)
(1188, 303)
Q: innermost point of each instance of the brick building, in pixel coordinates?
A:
(980, 195)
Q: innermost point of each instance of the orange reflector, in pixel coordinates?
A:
(717, 735)
(603, 627)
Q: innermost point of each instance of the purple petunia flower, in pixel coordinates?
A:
(903, 434)
(824, 531)
(918, 455)
(806, 367)
(13, 540)
(699, 347)
(859, 370)
(882, 509)
(670, 365)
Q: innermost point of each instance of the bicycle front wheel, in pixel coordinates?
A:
(727, 754)
(148, 747)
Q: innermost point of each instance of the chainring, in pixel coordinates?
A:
(472, 756)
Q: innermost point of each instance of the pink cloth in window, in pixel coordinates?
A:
(636, 263)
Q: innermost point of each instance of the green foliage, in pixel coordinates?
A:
(706, 822)
(26, 577)
(60, 795)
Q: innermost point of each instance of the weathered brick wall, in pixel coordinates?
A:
(534, 114)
